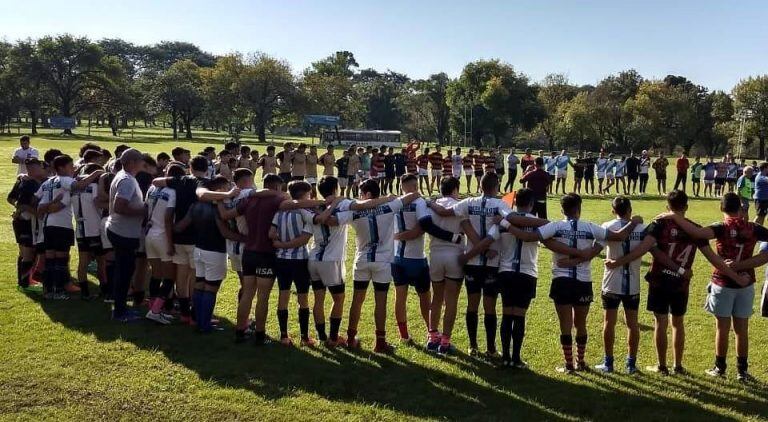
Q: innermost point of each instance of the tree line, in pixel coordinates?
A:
(175, 84)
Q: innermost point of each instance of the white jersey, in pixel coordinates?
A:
(452, 224)
(375, 236)
(87, 216)
(407, 219)
(290, 225)
(330, 242)
(601, 166)
(609, 169)
(578, 235)
(480, 212)
(645, 164)
(518, 256)
(159, 201)
(456, 162)
(561, 161)
(23, 154)
(621, 168)
(551, 165)
(49, 190)
(238, 225)
(624, 280)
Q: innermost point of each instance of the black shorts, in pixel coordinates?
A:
(589, 176)
(389, 174)
(481, 280)
(665, 300)
(411, 272)
(539, 209)
(661, 177)
(719, 181)
(350, 181)
(297, 177)
(517, 289)
(512, 174)
(22, 229)
(761, 207)
(479, 173)
(570, 291)
(632, 176)
(500, 171)
(292, 270)
(59, 239)
(89, 244)
(259, 264)
(612, 301)
(730, 181)
(285, 176)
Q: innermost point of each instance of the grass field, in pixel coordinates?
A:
(66, 360)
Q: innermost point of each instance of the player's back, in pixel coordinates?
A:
(677, 244)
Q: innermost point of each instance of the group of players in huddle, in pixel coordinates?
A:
(179, 220)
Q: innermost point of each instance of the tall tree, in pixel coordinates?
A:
(327, 87)
(554, 90)
(380, 94)
(268, 88)
(178, 91)
(751, 99)
(609, 98)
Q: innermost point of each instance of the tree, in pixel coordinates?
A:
(380, 94)
(425, 107)
(575, 123)
(498, 98)
(9, 93)
(223, 97)
(179, 92)
(327, 87)
(554, 90)
(609, 98)
(268, 88)
(76, 73)
(751, 98)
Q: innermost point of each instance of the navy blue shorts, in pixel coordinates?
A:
(411, 271)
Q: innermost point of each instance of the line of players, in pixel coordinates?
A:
(186, 225)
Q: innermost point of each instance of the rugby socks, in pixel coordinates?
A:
(197, 308)
(335, 324)
(351, 334)
(49, 277)
(489, 321)
(472, 329)
(304, 323)
(608, 361)
(445, 340)
(518, 333)
(26, 273)
(381, 339)
(631, 361)
(720, 363)
(402, 326)
(434, 336)
(110, 274)
(207, 303)
(154, 287)
(506, 335)
(282, 319)
(320, 328)
(581, 348)
(566, 342)
(742, 365)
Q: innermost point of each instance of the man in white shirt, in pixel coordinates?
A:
(55, 204)
(23, 152)
(562, 162)
(374, 231)
(87, 225)
(601, 166)
(621, 286)
(571, 288)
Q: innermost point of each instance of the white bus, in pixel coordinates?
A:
(347, 137)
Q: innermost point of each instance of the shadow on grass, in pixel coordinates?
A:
(462, 388)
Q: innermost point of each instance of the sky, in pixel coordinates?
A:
(713, 43)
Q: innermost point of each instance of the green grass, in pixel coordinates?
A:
(66, 360)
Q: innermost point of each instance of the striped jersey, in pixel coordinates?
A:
(467, 161)
(290, 225)
(609, 168)
(561, 161)
(238, 225)
(621, 168)
(480, 211)
(452, 224)
(49, 190)
(518, 256)
(159, 200)
(551, 165)
(87, 216)
(330, 242)
(436, 160)
(601, 165)
(624, 280)
(375, 236)
(422, 161)
(578, 235)
(447, 166)
(407, 219)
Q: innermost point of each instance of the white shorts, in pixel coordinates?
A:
(157, 247)
(378, 272)
(423, 172)
(457, 172)
(561, 174)
(185, 255)
(105, 243)
(437, 173)
(601, 175)
(343, 181)
(210, 265)
(444, 264)
(311, 180)
(709, 181)
(331, 273)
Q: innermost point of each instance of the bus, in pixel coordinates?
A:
(347, 137)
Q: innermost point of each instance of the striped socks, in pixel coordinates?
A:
(566, 342)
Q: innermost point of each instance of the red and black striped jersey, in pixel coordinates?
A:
(410, 164)
(467, 161)
(490, 164)
(675, 242)
(447, 166)
(422, 161)
(436, 160)
(479, 161)
(735, 240)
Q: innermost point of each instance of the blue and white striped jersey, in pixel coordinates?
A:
(290, 225)
(408, 218)
(578, 235)
(517, 256)
(624, 280)
(87, 216)
(330, 242)
(159, 201)
(480, 211)
(374, 231)
(49, 190)
(602, 165)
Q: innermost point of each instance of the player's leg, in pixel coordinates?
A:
(678, 339)
(422, 285)
(362, 277)
(435, 311)
(741, 330)
(247, 294)
(263, 290)
(722, 331)
(474, 286)
(633, 333)
(380, 290)
(84, 257)
(565, 319)
(610, 313)
(284, 274)
(661, 322)
(301, 279)
(469, 181)
(400, 277)
(490, 319)
(451, 291)
(580, 313)
(318, 306)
